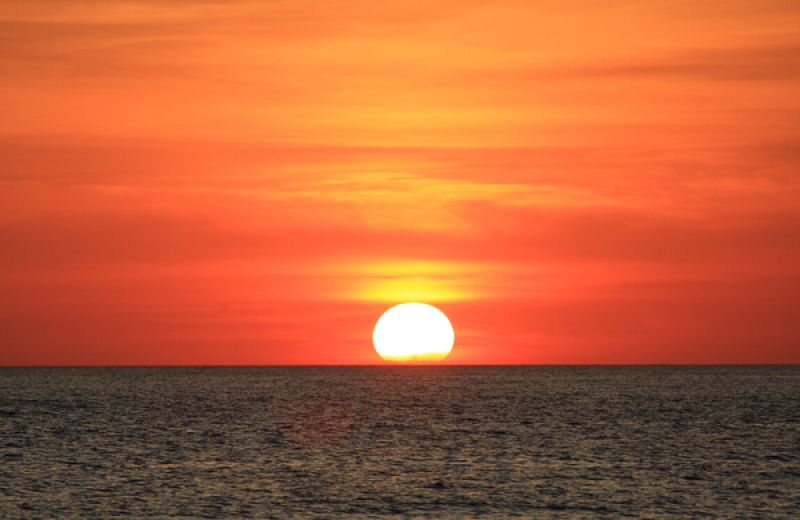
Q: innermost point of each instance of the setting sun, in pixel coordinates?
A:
(413, 332)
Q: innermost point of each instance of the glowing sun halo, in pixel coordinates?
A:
(413, 332)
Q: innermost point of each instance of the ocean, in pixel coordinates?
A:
(401, 442)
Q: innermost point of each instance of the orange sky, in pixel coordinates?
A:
(255, 182)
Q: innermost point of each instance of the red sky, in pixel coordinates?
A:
(255, 182)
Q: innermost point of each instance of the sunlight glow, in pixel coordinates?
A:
(391, 280)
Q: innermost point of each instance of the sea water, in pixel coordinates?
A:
(401, 441)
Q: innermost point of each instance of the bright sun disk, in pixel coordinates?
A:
(413, 332)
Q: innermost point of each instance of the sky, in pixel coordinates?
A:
(205, 182)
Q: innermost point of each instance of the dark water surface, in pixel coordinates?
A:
(429, 442)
